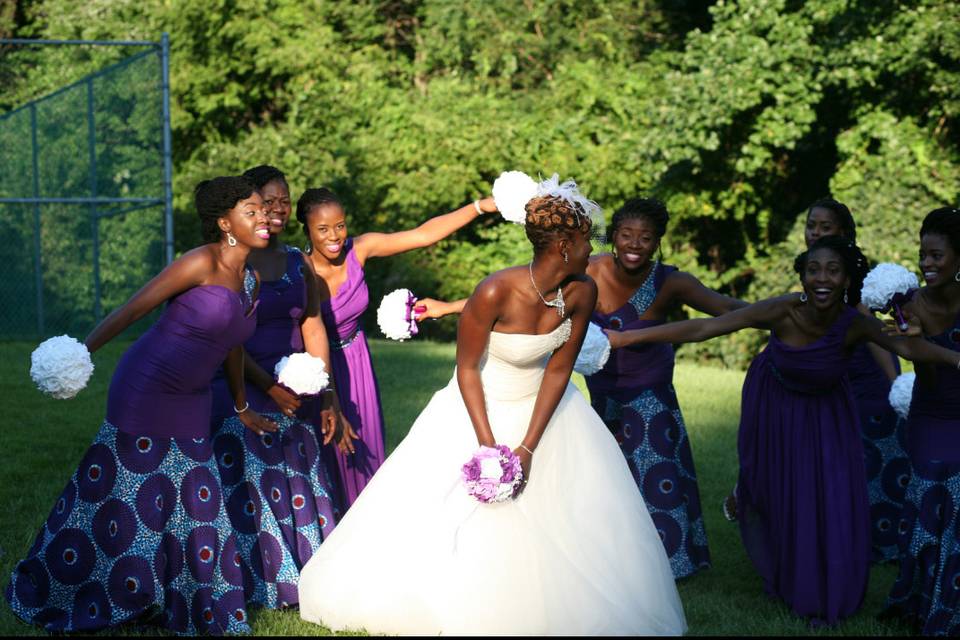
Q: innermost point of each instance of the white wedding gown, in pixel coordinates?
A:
(575, 554)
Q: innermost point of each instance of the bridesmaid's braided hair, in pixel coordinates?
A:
(855, 264)
(552, 216)
(214, 198)
(652, 209)
(840, 211)
(314, 198)
(946, 222)
(264, 174)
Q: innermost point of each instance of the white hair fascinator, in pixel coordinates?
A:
(513, 189)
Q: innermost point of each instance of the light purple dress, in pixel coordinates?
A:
(356, 383)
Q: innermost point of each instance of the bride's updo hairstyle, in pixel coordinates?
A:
(214, 198)
(549, 217)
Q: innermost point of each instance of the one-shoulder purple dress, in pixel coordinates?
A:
(802, 493)
(884, 434)
(281, 500)
(927, 590)
(137, 532)
(356, 383)
(634, 395)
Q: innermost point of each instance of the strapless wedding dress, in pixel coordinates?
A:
(575, 554)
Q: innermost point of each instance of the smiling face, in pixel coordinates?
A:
(821, 222)
(276, 202)
(939, 263)
(327, 229)
(635, 241)
(824, 278)
(247, 222)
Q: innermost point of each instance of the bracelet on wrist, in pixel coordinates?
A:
(524, 447)
(246, 405)
(476, 205)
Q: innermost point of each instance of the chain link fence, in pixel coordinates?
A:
(85, 197)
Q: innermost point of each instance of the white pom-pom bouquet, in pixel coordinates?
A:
(302, 373)
(595, 351)
(887, 287)
(61, 366)
(901, 393)
(511, 191)
(396, 315)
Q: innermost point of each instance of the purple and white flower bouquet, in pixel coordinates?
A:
(888, 287)
(397, 316)
(493, 474)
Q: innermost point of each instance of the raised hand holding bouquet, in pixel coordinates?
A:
(61, 367)
(397, 315)
(493, 474)
(302, 373)
(887, 287)
(594, 353)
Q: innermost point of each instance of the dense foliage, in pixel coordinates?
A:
(738, 114)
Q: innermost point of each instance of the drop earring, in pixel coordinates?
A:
(307, 247)
(231, 240)
(957, 277)
(566, 258)
(845, 300)
(803, 296)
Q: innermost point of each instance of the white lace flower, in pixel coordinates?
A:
(594, 353)
(302, 373)
(901, 393)
(395, 315)
(883, 282)
(61, 366)
(511, 191)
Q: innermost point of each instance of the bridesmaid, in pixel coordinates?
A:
(280, 498)
(634, 392)
(804, 512)
(135, 533)
(872, 371)
(338, 261)
(927, 590)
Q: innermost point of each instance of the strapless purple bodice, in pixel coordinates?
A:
(280, 308)
(161, 386)
(639, 366)
(933, 426)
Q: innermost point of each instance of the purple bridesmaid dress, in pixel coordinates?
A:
(281, 500)
(927, 590)
(137, 534)
(356, 383)
(634, 395)
(802, 493)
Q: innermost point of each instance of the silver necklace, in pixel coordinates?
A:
(556, 302)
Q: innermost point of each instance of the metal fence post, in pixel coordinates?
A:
(167, 146)
(94, 222)
(37, 246)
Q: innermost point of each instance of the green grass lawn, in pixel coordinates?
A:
(42, 441)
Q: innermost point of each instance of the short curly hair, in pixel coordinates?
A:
(214, 198)
(550, 217)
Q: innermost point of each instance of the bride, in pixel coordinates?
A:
(576, 552)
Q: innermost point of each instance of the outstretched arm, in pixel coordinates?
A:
(380, 245)
(691, 292)
(879, 355)
(473, 333)
(916, 349)
(760, 315)
(184, 273)
(430, 308)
